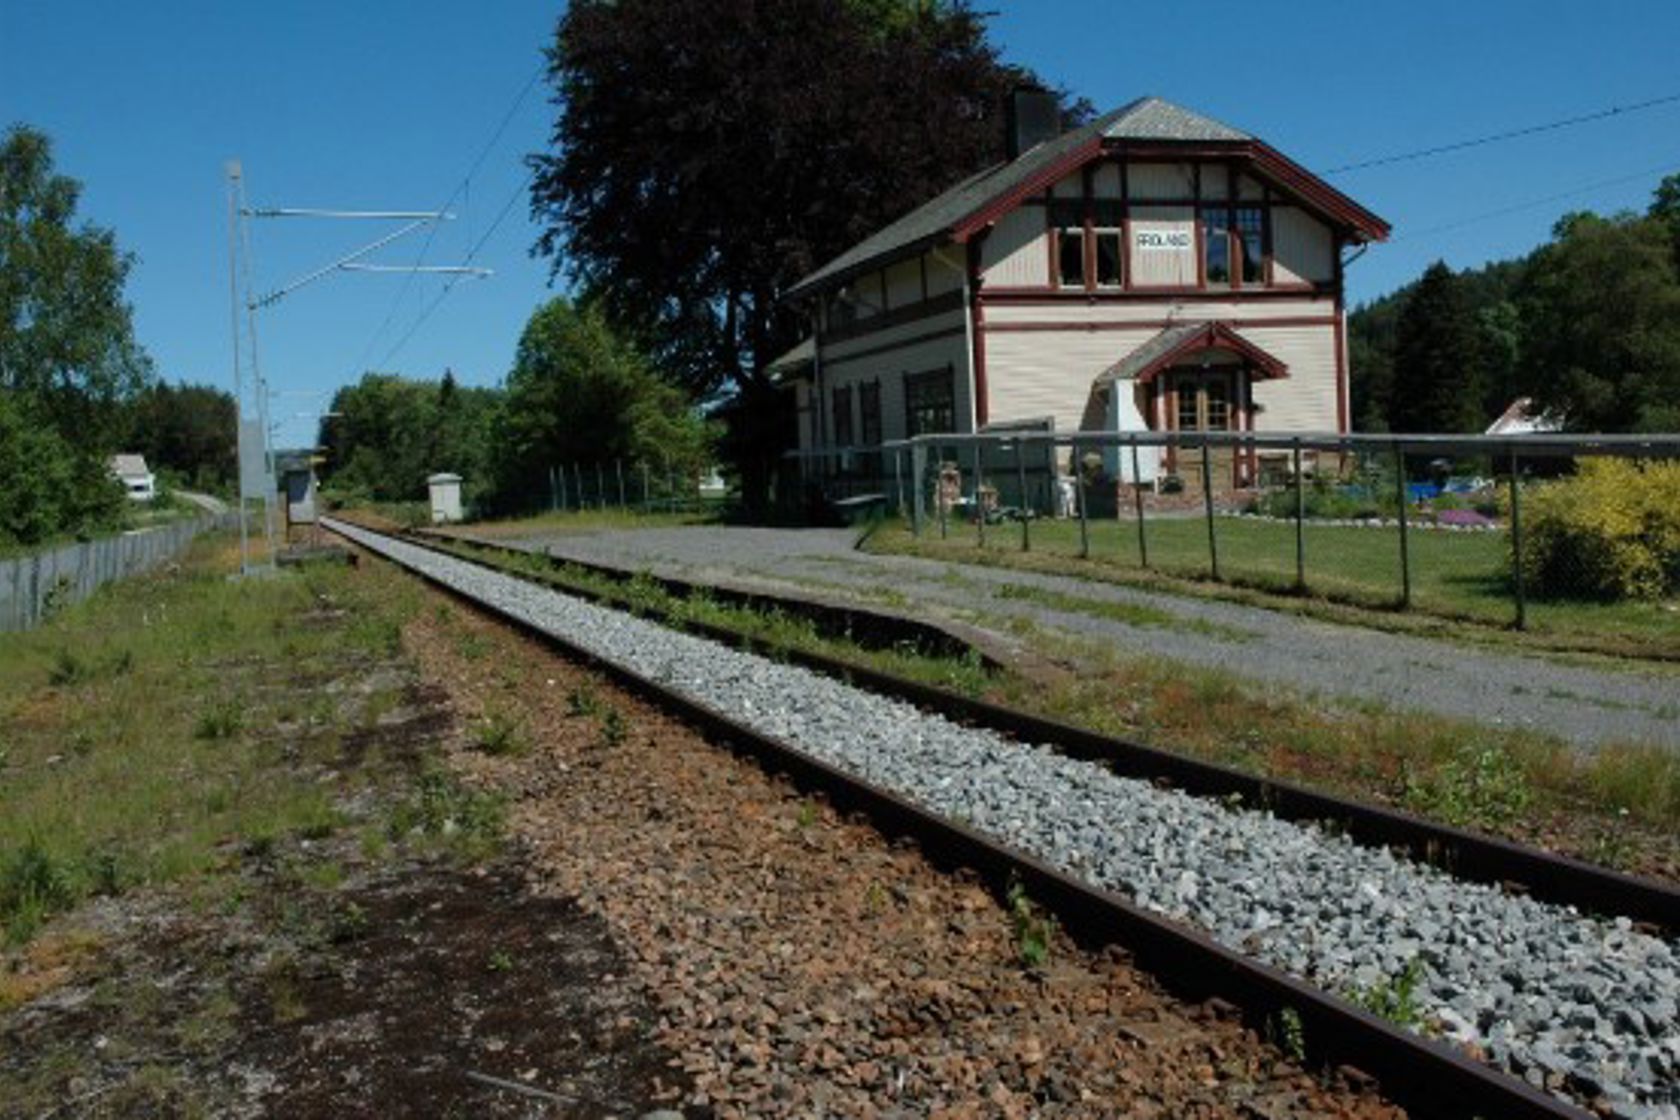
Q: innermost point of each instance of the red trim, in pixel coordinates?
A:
(982, 406)
(1003, 203)
(1052, 298)
(1158, 324)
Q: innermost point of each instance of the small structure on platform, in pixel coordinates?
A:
(300, 487)
(137, 480)
(446, 497)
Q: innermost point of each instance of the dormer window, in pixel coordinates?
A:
(1088, 254)
(1106, 236)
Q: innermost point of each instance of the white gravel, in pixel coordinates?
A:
(1582, 1006)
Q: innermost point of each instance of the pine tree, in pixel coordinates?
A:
(1438, 377)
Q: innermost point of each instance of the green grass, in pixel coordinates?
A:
(137, 729)
(1456, 577)
(1132, 614)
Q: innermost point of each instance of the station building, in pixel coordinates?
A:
(1152, 270)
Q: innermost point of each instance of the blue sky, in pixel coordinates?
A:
(373, 104)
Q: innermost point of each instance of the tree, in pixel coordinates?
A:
(1437, 359)
(66, 337)
(578, 393)
(186, 431)
(388, 433)
(693, 176)
(68, 358)
(1600, 311)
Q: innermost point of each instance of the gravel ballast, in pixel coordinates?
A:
(1581, 1006)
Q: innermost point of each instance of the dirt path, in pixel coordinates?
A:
(1583, 705)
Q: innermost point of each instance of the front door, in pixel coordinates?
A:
(1203, 401)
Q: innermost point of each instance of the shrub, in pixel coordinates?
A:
(1610, 532)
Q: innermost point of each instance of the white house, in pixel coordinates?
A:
(136, 479)
(1153, 269)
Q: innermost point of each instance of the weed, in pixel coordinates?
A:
(582, 700)
(807, 814)
(498, 735)
(614, 727)
(1287, 1033)
(500, 961)
(1032, 928)
(1395, 998)
(442, 808)
(33, 885)
(220, 719)
(472, 646)
(68, 670)
(1480, 785)
(875, 898)
(349, 922)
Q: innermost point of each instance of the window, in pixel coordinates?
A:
(1067, 218)
(930, 402)
(1251, 226)
(842, 398)
(1107, 222)
(1218, 240)
(869, 425)
(1204, 402)
(1235, 244)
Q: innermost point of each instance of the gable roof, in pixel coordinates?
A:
(984, 196)
(129, 466)
(1174, 343)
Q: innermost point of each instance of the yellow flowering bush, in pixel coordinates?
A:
(1610, 532)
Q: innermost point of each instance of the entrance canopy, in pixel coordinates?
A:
(1176, 345)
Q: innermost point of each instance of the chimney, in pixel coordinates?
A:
(1034, 116)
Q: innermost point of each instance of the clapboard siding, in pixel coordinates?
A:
(1159, 311)
(1015, 254)
(1163, 267)
(1301, 247)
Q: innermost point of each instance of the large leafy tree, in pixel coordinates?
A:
(185, 430)
(67, 342)
(1437, 379)
(386, 433)
(1601, 318)
(68, 358)
(579, 393)
(704, 159)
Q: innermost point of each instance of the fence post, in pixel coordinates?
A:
(979, 504)
(671, 481)
(918, 467)
(1079, 496)
(939, 500)
(1021, 481)
(644, 486)
(618, 467)
(1207, 500)
(1405, 551)
(577, 480)
(1300, 522)
(1137, 504)
(1516, 546)
(557, 474)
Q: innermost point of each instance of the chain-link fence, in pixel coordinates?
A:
(1418, 522)
(623, 485)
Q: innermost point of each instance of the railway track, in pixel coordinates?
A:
(831, 743)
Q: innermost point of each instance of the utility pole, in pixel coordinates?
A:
(241, 292)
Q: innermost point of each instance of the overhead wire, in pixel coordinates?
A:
(464, 186)
(472, 254)
(1533, 202)
(1511, 134)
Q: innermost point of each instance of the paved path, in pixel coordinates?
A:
(1585, 706)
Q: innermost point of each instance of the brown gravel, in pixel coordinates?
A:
(799, 964)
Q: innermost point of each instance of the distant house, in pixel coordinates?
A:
(1521, 419)
(1152, 270)
(136, 479)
